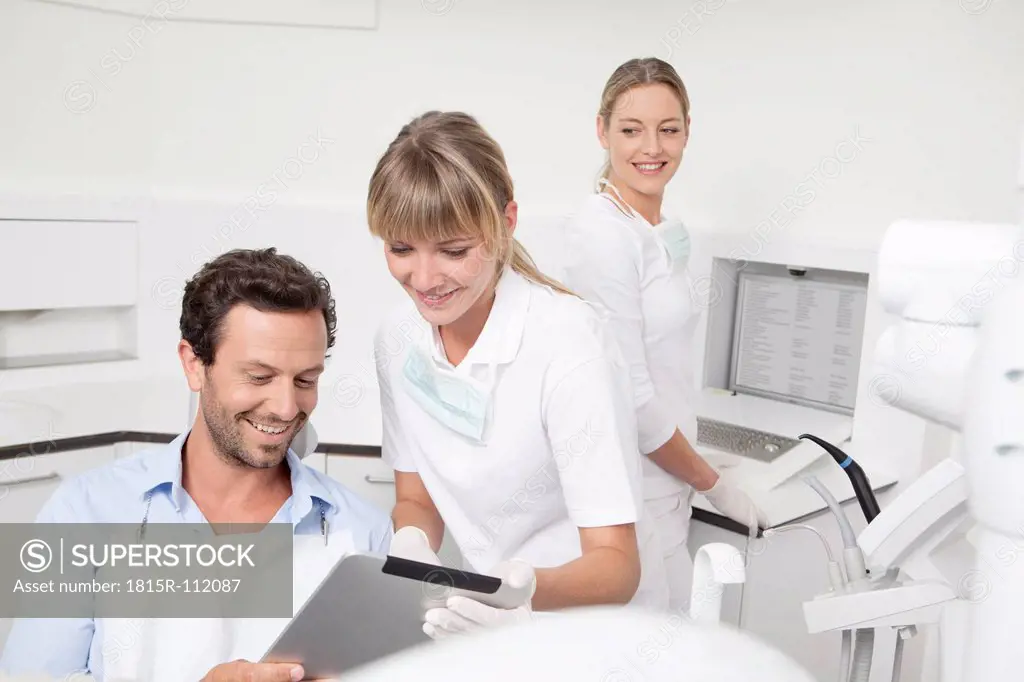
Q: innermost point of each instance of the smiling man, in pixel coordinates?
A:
(256, 327)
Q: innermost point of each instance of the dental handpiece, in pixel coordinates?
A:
(858, 479)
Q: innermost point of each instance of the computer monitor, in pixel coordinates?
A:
(798, 334)
(785, 347)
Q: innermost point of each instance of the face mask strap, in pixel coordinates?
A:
(619, 202)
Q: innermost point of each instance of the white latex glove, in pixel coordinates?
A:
(412, 543)
(462, 615)
(736, 504)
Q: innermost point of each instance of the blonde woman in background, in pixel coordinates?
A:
(506, 413)
(625, 255)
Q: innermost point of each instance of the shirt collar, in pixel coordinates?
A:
(307, 488)
(502, 334)
(164, 471)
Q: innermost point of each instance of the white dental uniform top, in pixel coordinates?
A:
(559, 450)
(622, 263)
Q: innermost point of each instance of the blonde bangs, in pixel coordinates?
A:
(416, 199)
(444, 178)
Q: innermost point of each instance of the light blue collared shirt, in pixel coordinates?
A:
(116, 493)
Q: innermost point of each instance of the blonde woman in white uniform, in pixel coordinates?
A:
(506, 414)
(623, 254)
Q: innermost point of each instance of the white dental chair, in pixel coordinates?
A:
(601, 644)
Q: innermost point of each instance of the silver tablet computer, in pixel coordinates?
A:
(372, 606)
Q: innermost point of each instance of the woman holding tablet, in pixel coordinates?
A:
(623, 254)
(506, 410)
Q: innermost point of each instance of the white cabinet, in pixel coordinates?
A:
(101, 258)
(26, 482)
(372, 479)
(369, 477)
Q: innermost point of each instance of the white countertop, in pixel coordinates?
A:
(162, 406)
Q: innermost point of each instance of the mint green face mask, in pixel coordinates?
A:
(673, 233)
(677, 241)
(459, 402)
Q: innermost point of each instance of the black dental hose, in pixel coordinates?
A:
(858, 479)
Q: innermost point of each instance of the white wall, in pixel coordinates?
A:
(189, 121)
(775, 87)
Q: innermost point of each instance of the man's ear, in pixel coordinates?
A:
(192, 365)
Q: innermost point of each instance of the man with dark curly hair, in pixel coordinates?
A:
(256, 327)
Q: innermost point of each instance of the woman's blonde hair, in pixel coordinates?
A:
(636, 72)
(443, 177)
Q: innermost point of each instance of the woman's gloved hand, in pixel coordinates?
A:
(410, 542)
(732, 501)
(462, 614)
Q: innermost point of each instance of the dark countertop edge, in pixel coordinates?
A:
(723, 522)
(98, 440)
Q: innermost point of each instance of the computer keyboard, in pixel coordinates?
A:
(739, 440)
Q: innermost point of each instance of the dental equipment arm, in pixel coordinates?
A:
(927, 282)
(858, 479)
(852, 556)
(845, 529)
(835, 573)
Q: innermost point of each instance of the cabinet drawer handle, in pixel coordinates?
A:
(378, 479)
(32, 479)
